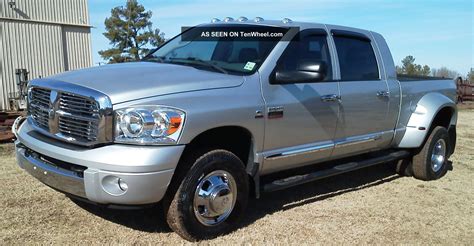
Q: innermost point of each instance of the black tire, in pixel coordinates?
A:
(404, 167)
(179, 211)
(422, 168)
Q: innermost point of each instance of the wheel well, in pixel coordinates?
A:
(235, 139)
(443, 118)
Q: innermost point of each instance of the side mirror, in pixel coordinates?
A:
(306, 71)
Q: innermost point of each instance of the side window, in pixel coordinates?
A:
(306, 47)
(356, 59)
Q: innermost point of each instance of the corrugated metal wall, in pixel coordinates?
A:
(62, 11)
(45, 37)
(77, 43)
(2, 90)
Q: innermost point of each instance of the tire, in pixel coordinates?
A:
(404, 167)
(220, 173)
(438, 144)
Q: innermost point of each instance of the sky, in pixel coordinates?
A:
(436, 32)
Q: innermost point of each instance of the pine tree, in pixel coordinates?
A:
(409, 67)
(130, 32)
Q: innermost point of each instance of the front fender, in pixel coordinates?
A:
(422, 118)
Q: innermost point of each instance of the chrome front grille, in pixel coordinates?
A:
(82, 129)
(78, 105)
(39, 107)
(78, 117)
(70, 113)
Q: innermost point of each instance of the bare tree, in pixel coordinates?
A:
(444, 72)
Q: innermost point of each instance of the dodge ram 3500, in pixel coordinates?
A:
(200, 125)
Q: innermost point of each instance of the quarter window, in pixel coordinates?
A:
(356, 59)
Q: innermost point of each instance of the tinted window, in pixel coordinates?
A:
(232, 55)
(356, 59)
(307, 47)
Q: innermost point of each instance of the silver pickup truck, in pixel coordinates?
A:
(201, 125)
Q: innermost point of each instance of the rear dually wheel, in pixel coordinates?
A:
(430, 162)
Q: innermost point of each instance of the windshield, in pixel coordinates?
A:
(209, 49)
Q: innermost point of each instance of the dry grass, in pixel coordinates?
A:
(369, 206)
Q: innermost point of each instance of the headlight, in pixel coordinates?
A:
(148, 125)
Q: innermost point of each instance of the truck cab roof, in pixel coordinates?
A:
(282, 23)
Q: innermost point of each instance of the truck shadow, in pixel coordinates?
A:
(152, 219)
(320, 190)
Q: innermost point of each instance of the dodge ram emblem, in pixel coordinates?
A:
(52, 100)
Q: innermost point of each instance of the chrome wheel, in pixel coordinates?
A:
(438, 155)
(214, 197)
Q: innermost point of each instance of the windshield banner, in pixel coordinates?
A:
(238, 33)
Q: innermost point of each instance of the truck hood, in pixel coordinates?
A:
(132, 81)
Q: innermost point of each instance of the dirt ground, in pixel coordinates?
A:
(370, 206)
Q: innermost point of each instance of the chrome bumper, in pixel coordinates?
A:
(147, 170)
(58, 178)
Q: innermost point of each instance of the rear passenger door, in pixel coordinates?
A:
(363, 123)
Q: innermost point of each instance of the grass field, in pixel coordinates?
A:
(372, 206)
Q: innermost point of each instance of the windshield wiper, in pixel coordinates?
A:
(194, 60)
(159, 59)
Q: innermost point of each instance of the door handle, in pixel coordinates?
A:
(383, 94)
(331, 98)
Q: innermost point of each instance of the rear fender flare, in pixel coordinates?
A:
(421, 119)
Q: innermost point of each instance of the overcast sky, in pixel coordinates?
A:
(436, 32)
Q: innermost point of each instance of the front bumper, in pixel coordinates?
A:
(93, 173)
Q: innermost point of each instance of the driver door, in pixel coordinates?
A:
(301, 117)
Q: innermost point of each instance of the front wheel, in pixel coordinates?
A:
(211, 197)
(431, 162)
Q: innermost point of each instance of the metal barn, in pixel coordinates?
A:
(41, 38)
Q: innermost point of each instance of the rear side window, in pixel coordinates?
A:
(356, 59)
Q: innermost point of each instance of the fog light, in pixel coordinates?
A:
(114, 185)
(122, 184)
